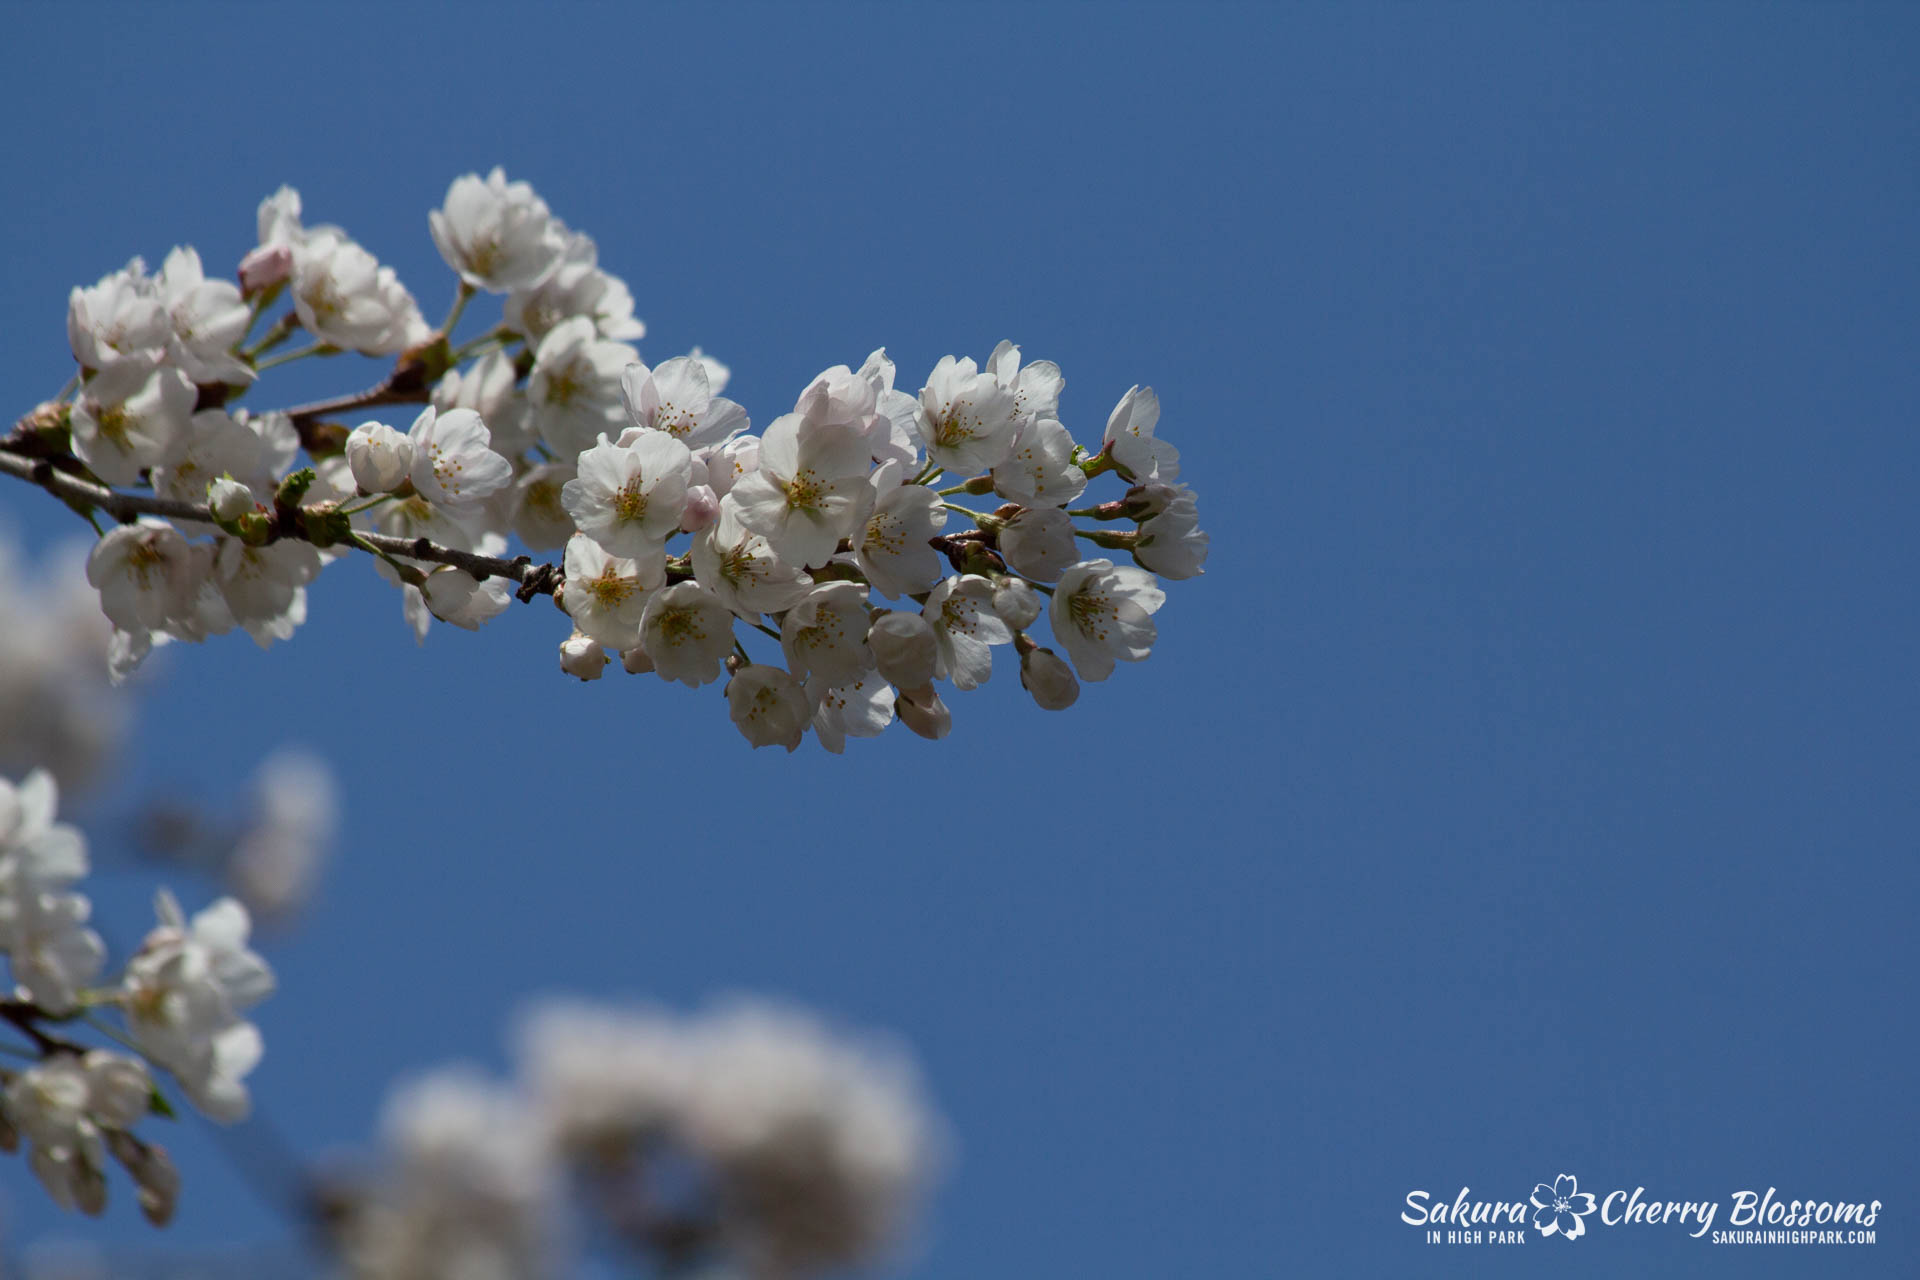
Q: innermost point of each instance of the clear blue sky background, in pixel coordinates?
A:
(1528, 786)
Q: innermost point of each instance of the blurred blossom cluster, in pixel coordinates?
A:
(271, 852)
(747, 1141)
(180, 1003)
(56, 709)
(844, 542)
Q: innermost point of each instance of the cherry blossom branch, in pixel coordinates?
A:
(24, 1016)
(534, 579)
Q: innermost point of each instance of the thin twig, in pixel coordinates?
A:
(126, 507)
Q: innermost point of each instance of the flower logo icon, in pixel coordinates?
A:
(1561, 1207)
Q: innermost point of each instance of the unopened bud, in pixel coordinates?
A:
(1046, 675)
(266, 267)
(1017, 603)
(582, 657)
(636, 661)
(228, 499)
(379, 456)
(703, 508)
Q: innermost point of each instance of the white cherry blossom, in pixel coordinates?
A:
(489, 387)
(805, 497)
(967, 419)
(184, 993)
(606, 596)
(768, 706)
(577, 287)
(214, 444)
(630, 496)
(456, 596)
(207, 318)
(729, 463)
(925, 712)
(1131, 440)
(64, 1106)
(1040, 471)
(718, 375)
(1036, 387)
(1100, 613)
(574, 389)
(740, 568)
(496, 235)
(453, 465)
(677, 397)
(147, 575)
(343, 296)
(960, 611)
(1038, 542)
(904, 649)
(119, 320)
(890, 544)
(687, 633)
(1171, 543)
(862, 709)
(825, 635)
(130, 418)
(265, 587)
(540, 515)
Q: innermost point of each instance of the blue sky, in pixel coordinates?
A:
(1526, 788)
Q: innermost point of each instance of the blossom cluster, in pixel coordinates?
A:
(839, 532)
(181, 1001)
(749, 1137)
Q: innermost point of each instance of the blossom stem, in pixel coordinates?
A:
(24, 1015)
(73, 385)
(108, 1030)
(256, 307)
(288, 357)
(461, 298)
(359, 540)
(282, 330)
(975, 516)
(368, 505)
(1104, 538)
(483, 344)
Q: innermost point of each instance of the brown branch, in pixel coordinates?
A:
(542, 579)
(24, 1015)
(410, 382)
